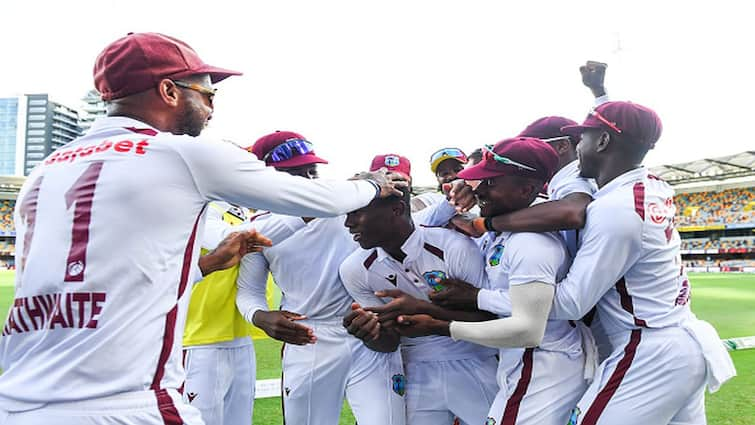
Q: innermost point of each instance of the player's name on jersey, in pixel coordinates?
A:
(54, 311)
(122, 146)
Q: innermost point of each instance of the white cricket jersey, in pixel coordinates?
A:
(331, 243)
(432, 254)
(567, 181)
(305, 268)
(629, 261)
(107, 240)
(522, 258)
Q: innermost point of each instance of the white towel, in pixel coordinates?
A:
(720, 367)
(590, 349)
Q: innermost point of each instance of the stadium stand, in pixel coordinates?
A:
(705, 208)
(715, 211)
(6, 217)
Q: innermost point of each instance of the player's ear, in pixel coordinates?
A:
(168, 92)
(603, 141)
(562, 146)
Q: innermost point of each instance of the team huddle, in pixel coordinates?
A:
(541, 284)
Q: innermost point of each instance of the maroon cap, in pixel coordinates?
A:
(639, 123)
(139, 61)
(548, 128)
(519, 156)
(393, 162)
(265, 144)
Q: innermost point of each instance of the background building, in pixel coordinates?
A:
(31, 127)
(93, 106)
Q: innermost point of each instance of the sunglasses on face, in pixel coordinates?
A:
(288, 149)
(210, 93)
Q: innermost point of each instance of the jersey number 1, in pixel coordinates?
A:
(80, 196)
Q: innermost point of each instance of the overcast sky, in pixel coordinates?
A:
(360, 78)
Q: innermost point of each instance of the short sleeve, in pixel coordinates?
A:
(355, 279)
(534, 257)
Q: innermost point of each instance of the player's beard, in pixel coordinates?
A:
(190, 122)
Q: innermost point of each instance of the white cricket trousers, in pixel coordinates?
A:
(438, 392)
(653, 376)
(317, 376)
(538, 387)
(163, 407)
(220, 383)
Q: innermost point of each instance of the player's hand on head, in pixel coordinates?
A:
(402, 303)
(593, 76)
(362, 324)
(420, 325)
(281, 325)
(460, 195)
(390, 184)
(456, 295)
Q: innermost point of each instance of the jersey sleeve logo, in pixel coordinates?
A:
(398, 384)
(495, 258)
(434, 278)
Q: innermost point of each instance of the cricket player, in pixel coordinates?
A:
(321, 362)
(540, 381)
(629, 266)
(218, 351)
(107, 229)
(444, 378)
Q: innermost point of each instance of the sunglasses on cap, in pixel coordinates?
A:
(447, 153)
(487, 153)
(288, 149)
(604, 120)
(556, 139)
(210, 93)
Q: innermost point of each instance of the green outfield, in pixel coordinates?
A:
(725, 300)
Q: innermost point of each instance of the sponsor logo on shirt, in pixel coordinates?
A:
(121, 147)
(191, 396)
(495, 258)
(434, 278)
(398, 384)
(574, 416)
(490, 421)
(391, 278)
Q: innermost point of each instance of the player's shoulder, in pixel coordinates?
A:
(535, 241)
(362, 258)
(358, 263)
(447, 241)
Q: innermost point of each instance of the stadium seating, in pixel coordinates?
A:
(723, 243)
(714, 208)
(6, 217)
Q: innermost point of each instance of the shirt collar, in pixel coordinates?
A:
(563, 172)
(628, 177)
(106, 123)
(411, 247)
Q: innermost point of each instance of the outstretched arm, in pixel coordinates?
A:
(525, 327)
(567, 213)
